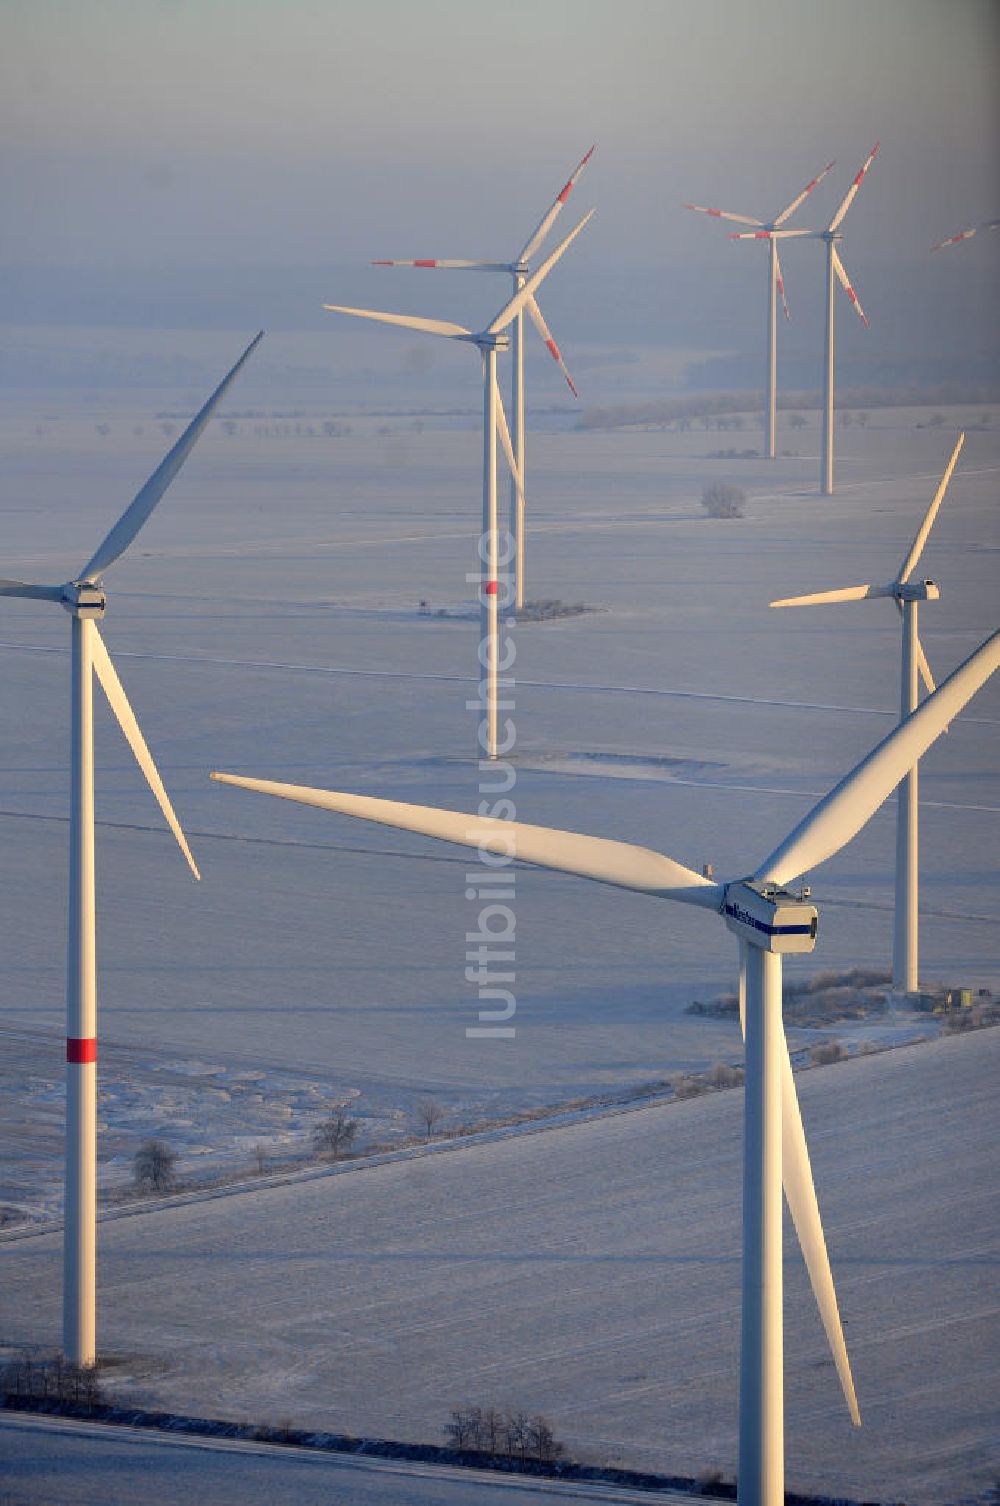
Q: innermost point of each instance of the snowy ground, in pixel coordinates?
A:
(266, 622)
(592, 1272)
(125, 1467)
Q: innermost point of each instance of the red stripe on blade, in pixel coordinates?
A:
(490, 587)
(553, 349)
(425, 263)
(79, 1051)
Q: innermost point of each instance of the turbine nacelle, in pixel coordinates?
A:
(81, 598)
(916, 590)
(487, 340)
(770, 917)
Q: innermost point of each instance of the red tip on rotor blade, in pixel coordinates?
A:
(489, 587)
(570, 183)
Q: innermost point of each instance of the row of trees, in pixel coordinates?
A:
(51, 1379)
(503, 1435)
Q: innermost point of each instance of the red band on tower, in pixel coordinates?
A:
(81, 1051)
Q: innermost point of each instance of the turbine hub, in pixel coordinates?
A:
(82, 599)
(770, 918)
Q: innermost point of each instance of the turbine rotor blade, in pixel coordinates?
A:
(520, 298)
(723, 214)
(771, 235)
(842, 813)
(781, 284)
(37, 593)
(505, 441)
(848, 198)
(406, 321)
(450, 265)
(621, 864)
(539, 322)
(823, 598)
(925, 669)
(545, 224)
(965, 235)
(916, 548)
(118, 701)
(790, 210)
(800, 1192)
(139, 509)
(845, 282)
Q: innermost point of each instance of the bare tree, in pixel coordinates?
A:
(463, 1429)
(542, 1443)
(516, 1426)
(153, 1166)
(429, 1112)
(260, 1156)
(797, 421)
(335, 1135)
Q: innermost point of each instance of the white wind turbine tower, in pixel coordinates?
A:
(84, 599)
(489, 341)
(519, 269)
(775, 285)
(907, 594)
(834, 270)
(768, 921)
(966, 235)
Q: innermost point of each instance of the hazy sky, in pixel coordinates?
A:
(172, 133)
(293, 130)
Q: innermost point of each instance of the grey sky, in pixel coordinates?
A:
(253, 130)
(171, 134)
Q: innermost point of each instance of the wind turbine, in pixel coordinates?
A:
(768, 921)
(84, 599)
(907, 595)
(834, 269)
(966, 235)
(775, 285)
(489, 341)
(519, 270)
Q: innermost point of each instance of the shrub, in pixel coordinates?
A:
(153, 1166)
(721, 500)
(823, 1053)
(724, 1076)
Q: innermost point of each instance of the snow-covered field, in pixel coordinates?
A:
(97, 1466)
(592, 1272)
(266, 623)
